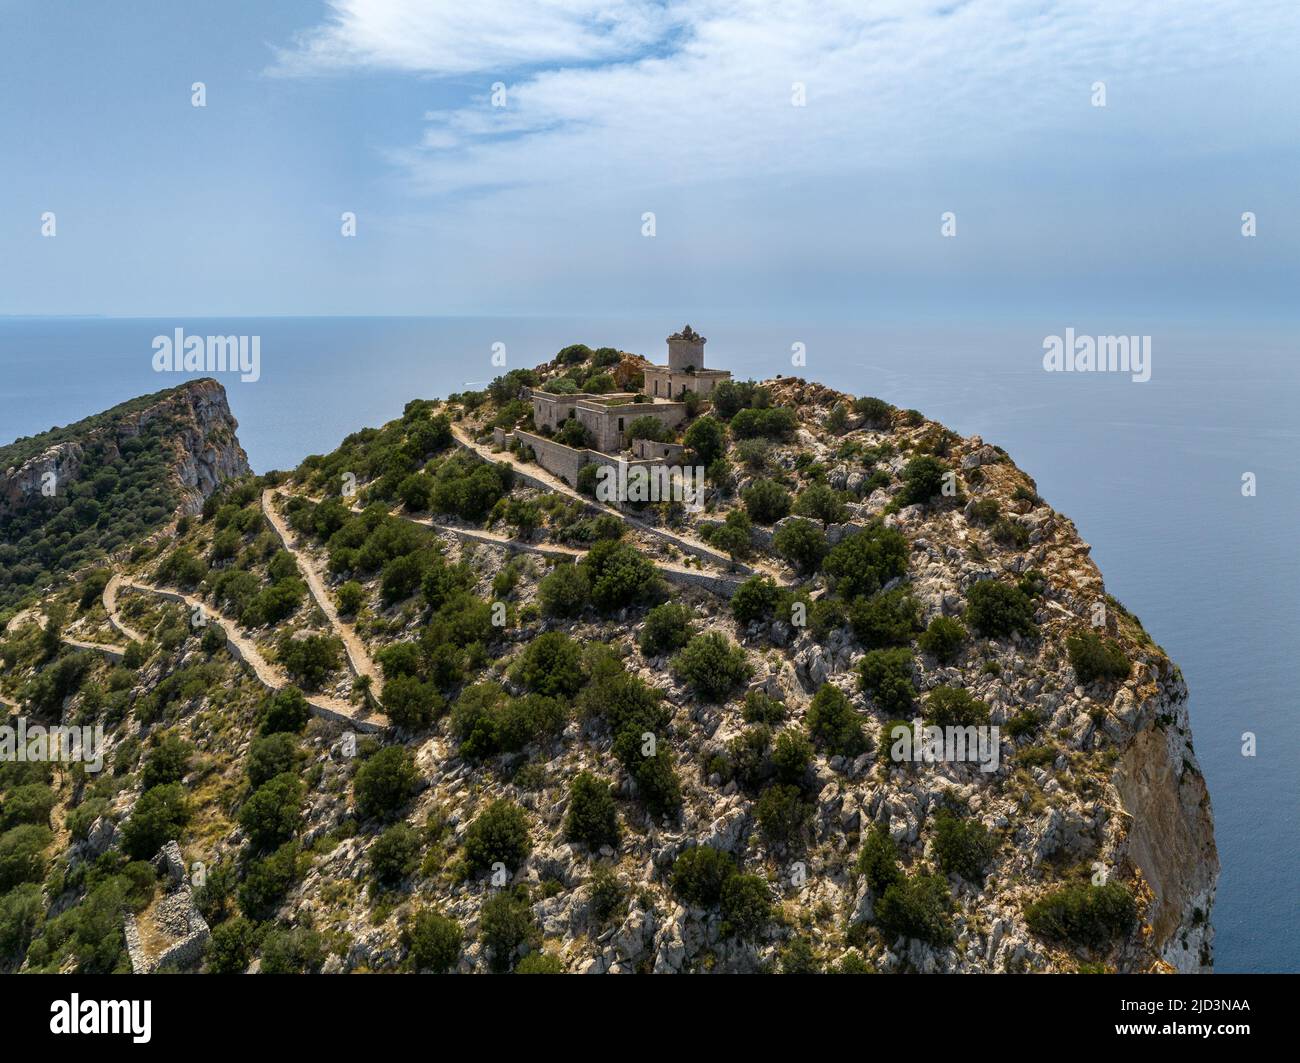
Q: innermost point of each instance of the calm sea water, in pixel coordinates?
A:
(1150, 472)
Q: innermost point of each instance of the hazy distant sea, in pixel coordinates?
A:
(1151, 473)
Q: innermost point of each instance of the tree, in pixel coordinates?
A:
(285, 710)
(167, 761)
(766, 501)
(411, 704)
(505, 923)
(917, 907)
(384, 782)
(878, 860)
(962, 846)
(948, 706)
(876, 413)
(618, 574)
(592, 818)
(648, 427)
(705, 439)
(834, 725)
(158, 817)
(270, 817)
(700, 873)
(889, 618)
(821, 503)
(1083, 914)
(667, 627)
(498, 834)
(886, 675)
(394, 855)
(433, 941)
(350, 597)
(755, 599)
(923, 478)
(862, 563)
(801, 543)
(22, 855)
(269, 756)
(230, 949)
(551, 665)
(995, 610)
(746, 905)
(943, 638)
(713, 665)
(782, 814)
(1093, 657)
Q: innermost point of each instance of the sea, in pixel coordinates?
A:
(1187, 484)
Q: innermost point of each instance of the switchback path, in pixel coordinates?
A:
(543, 478)
(110, 607)
(243, 649)
(359, 659)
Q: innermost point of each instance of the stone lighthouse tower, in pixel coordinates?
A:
(686, 350)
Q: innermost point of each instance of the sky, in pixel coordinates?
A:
(798, 158)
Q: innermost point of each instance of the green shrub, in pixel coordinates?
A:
(498, 834)
(755, 599)
(158, 817)
(505, 923)
(862, 563)
(619, 574)
(292, 950)
(433, 941)
(782, 814)
(947, 706)
(267, 880)
(801, 543)
(22, 855)
(943, 639)
(876, 413)
(310, 659)
(551, 664)
(1083, 914)
(700, 873)
(394, 855)
(608, 896)
(592, 818)
(384, 783)
(565, 591)
(230, 949)
(410, 703)
(984, 511)
(29, 803)
(1093, 657)
(919, 907)
(541, 962)
(776, 422)
(834, 725)
(886, 675)
(889, 618)
(167, 761)
(923, 479)
(667, 627)
(791, 757)
(269, 756)
(285, 711)
(350, 597)
(995, 610)
(746, 905)
(878, 860)
(797, 957)
(270, 817)
(822, 503)
(705, 439)
(962, 846)
(763, 708)
(712, 665)
(766, 501)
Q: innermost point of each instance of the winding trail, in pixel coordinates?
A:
(110, 607)
(542, 478)
(359, 659)
(244, 650)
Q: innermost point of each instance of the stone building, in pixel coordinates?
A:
(685, 369)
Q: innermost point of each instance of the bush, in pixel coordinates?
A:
(746, 905)
(565, 591)
(801, 543)
(592, 818)
(766, 501)
(285, 711)
(394, 855)
(350, 597)
(505, 923)
(876, 413)
(878, 860)
(947, 706)
(551, 665)
(433, 942)
(705, 439)
(734, 535)
(29, 803)
(311, 659)
(608, 897)
(712, 665)
(1083, 914)
(618, 574)
(861, 564)
(834, 725)
(919, 907)
(943, 639)
(995, 610)
(791, 756)
(667, 627)
(1093, 657)
(776, 422)
(167, 761)
(923, 478)
(498, 834)
(984, 511)
(297, 950)
(700, 873)
(782, 814)
(657, 785)
(384, 783)
(410, 703)
(962, 847)
(158, 817)
(267, 880)
(889, 618)
(230, 949)
(797, 957)
(648, 427)
(821, 503)
(886, 675)
(763, 708)
(755, 599)
(22, 855)
(270, 817)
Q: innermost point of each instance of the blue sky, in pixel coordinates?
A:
(383, 107)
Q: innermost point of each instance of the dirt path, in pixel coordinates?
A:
(243, 649)
(683, 542)
(359, 659)
(110, 607)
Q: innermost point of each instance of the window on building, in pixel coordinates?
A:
(620, 424)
